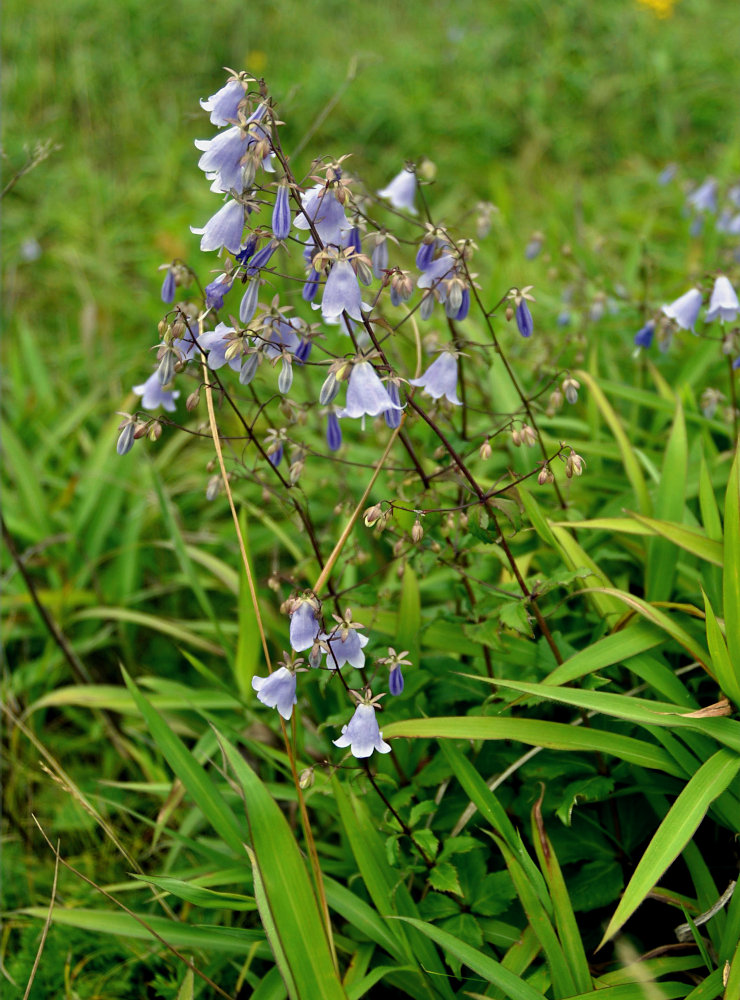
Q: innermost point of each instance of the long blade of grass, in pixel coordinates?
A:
(297, 923)
(555, 735)
(731, 574)
(662, 555)
(193, 775)
(684, 817)
(691, 539)
(565, 921)
(615, 648)
(491, 970)
(728, 677)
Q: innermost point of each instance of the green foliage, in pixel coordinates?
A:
(524, 793)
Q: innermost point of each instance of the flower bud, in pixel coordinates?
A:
(555, 402)
(166, 370)
(155, 431)
(398, 547)
(574, 465)
(570, 388)
(306, 778)
(126, 438)
(329, 389)
(485, 450)
(213, 488)
(249, 368)
(528, 436)
(192, 401)
(427, 305)
(516, 437)
(509, 314)
(364, 270)
(545, 476)
(372, 514)
(314, 657)
(285, 378)
(294, 473)
(417, 532)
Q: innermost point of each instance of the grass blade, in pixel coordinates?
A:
(687, 812)
(662, 555)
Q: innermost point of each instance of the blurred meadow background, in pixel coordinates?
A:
(562, 114)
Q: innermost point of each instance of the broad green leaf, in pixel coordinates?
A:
(232, 940)
(118, 699)
(664, 621)
(491, 970)
(614, 648)
(662, 555)
(176, 630)
(629, 458)
(727, 676)
(676, 830)
(201, 786)
(691, 539)
(731, 575)
(639, 710)
(198, 895)
(298, 928)
(555, 735)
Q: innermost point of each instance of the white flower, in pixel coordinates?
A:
(366, 394)
(440, 378)
(685, 310)
(277, 690)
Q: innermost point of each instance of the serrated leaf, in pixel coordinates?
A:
(514, 615)
(495, 895)
(597, 883)
(594, 789)
(443, 878)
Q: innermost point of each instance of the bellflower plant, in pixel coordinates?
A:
(345, 644)
(401, 191)
(216, 343)
(224, 229)
(685, 310)
(366, 394)
(440, 378)
(723, 305)
(277, 690)
(362, 734)
(304, 624)
(223, 106)
(341, 293)
(153, 395)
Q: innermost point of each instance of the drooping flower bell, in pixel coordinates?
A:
(524, 322)
(224, 229)
(333, 431)
(440, 378)
(685, 310)
(362, 734)
(153, 394)
(723, 304)
(223, 106)
(341, 292)
(401, 191)
(216, 290)
(281, 219)
(323, 212)
(304, 623)
(216, 343)
(344, 643)
(277, 690)
(169, 286)
(644, 337)
(366, 394)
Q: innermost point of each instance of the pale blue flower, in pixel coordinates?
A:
(363, 734)
(224, 229)
(222, 159)
(304, 625)
(436, 272)
(216, 290)
(168, 286)
(281, 213)
(325, 214)
(277, 690)
(393, 417)
(366, 394)
(704, 197)
(346, 646)
(440, 378)
(401, 191)
(153, 394)
(224, 104)
(216, 344)
(723, 304)
(685, 310)
(341, 293)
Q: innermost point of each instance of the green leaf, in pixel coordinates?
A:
(662, 554)
(615, 648)
(408, 628)
(513, 614)
(727, 676)
(199, 895)
(296, 928)
(234, 941)
(249, 644)
(555, 735)
(596, 884)
(200, 785)
(443, 878)
(691, 539)
(731, 575)
(629, 458)
(676, 830)
(594, 789)
(491, 970)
